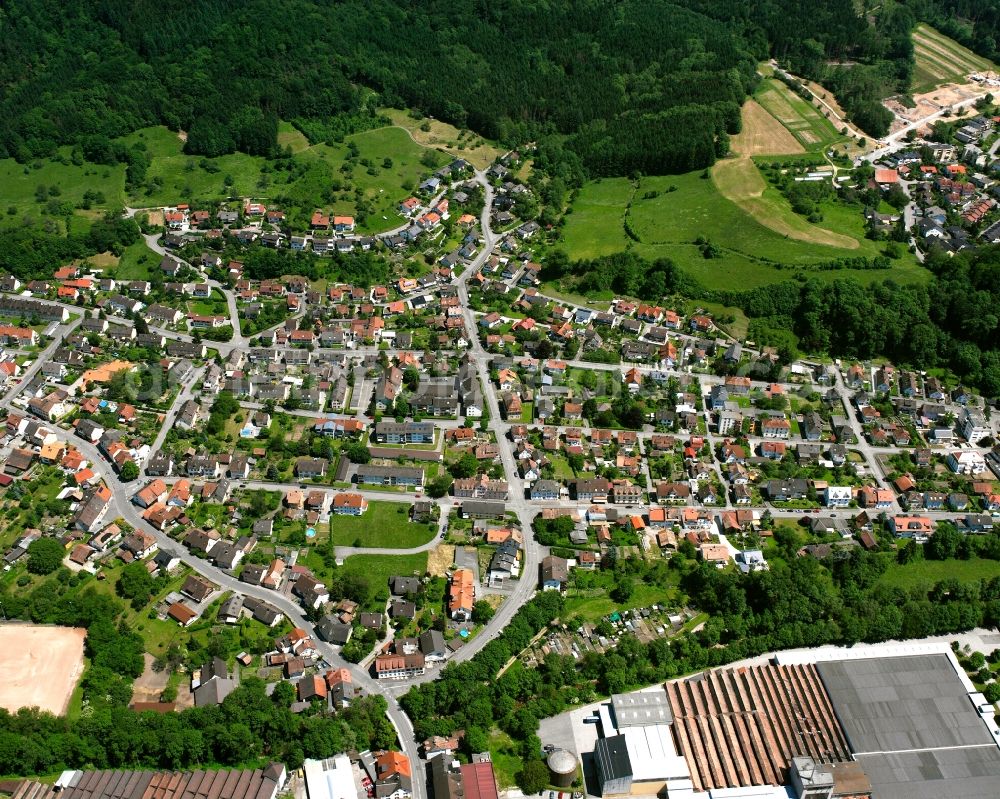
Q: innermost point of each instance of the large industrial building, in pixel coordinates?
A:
(884, 722)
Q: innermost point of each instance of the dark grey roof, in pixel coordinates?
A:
(611, 756)
(971, 773)
(902, 703)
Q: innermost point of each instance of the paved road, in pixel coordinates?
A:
(41, 358)
(186, 393)
(123, 508)
(522, 590)
(525, 511)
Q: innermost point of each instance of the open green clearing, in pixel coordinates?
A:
(927, 572)
(19, 183)
(388, 167)
(292, 137)
(377, 569)
(940, 60)
(595, 226)
(137, 262)
(316, 181)
(386, 524)
(595, 604)
(805, 121)
(669, 221)
(434, 133)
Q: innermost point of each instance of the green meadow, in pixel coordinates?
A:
(669, 213)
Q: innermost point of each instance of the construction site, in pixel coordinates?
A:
(880, 722)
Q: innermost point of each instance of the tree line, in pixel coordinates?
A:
(248, 726)
(629, 86)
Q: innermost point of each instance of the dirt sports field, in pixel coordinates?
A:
(41, 666)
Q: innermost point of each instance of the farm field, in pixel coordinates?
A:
(386, 524)
(940, 60)
(45, 671)
(668, 222)
(763, 134)
(804, 121)
(739, 180)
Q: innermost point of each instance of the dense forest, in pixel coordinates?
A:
(627, 86)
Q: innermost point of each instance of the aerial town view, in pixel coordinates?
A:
(526, 401)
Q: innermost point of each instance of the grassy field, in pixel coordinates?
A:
(383, 187)
(669, 221)
(739, 180)
(137, 262)
(928, 572)
(763, 134)
(290, 136)
(386, 524)
(940, 60)
(596, 225)
(175, 177)
(20, 182)
(594, 608)
(377, 569)
(476, 150)
(506, 757)
(805, 122)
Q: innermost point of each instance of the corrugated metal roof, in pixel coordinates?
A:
(902, 703)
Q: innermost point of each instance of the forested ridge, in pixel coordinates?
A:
(614, 87)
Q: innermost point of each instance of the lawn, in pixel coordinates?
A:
(462, 144)
(212, 305)
(20, 182)
(377, 569)
(386, 525)
(137, 262)
(941, 60)
(594, 604)
(669, 213)
(927, 572)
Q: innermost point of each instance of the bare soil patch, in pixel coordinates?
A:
(150, 684)
(439, 559)
(41, 666)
